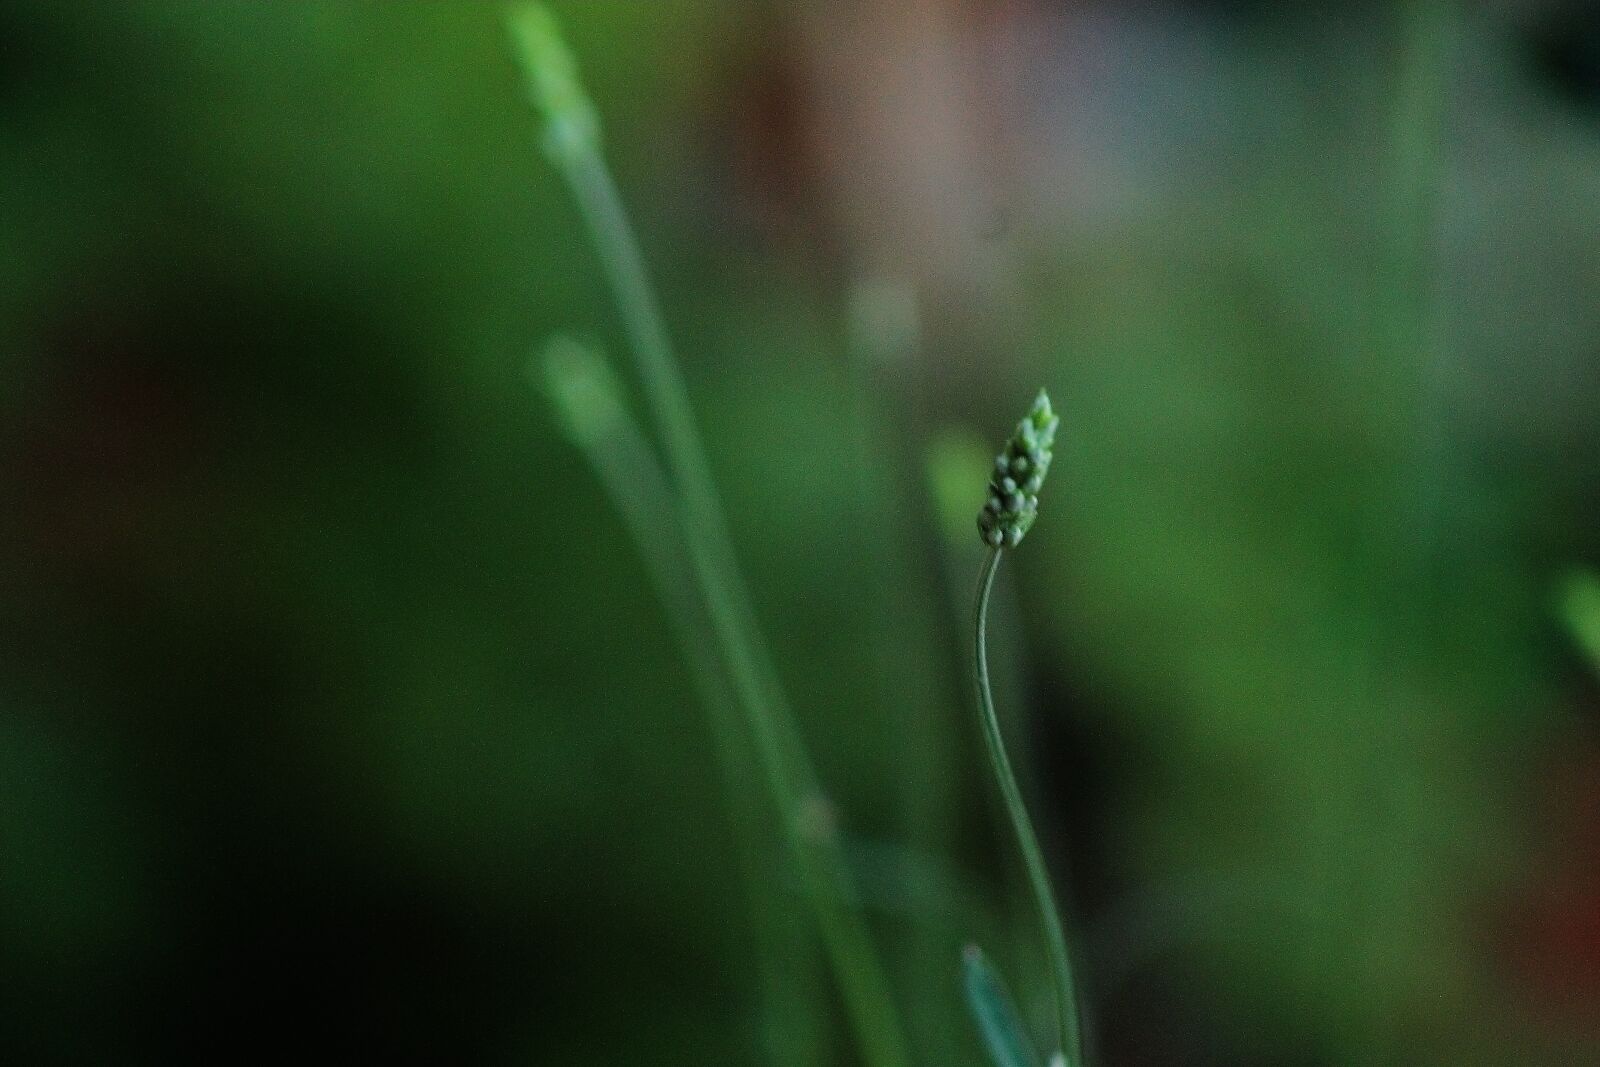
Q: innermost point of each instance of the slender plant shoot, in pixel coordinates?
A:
(572, 141)
(995, 1014)
(1007, 515)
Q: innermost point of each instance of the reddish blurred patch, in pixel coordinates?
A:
(1550, 933)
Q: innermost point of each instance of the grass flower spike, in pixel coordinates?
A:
(1019, 471)
(1013, 504)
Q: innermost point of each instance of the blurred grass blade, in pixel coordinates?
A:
(1580, 608)
(995, 1013)
(574, 145)
(572, 125)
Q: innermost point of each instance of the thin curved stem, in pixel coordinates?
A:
(1067, 1030)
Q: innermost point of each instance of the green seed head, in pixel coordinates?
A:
(572, 124)
(1019, 471)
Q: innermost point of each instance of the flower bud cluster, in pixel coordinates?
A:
(1019, 471)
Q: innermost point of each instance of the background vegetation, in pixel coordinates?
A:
(337, 716)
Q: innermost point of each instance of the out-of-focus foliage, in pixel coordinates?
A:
(1580, 606)
(1003, 1031)
(336, 715)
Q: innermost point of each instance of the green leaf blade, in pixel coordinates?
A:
(995, 1013)
(1580, 608)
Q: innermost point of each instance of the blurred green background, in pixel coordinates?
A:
(337, 717)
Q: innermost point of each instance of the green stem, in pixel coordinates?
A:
(1067, 1031)
(792, 781)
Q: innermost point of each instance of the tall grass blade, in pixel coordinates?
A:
(572, 139)
(995, 1013)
